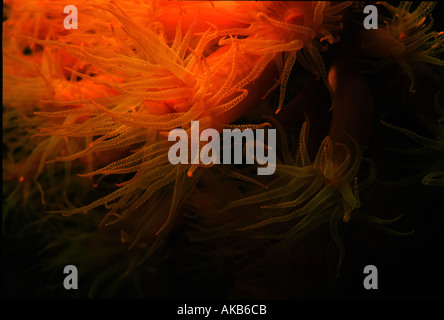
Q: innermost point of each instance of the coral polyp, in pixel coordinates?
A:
(406, 39)
(295, 29)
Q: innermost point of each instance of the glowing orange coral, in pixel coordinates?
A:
(156, 87)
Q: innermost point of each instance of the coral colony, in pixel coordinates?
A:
(243, 128)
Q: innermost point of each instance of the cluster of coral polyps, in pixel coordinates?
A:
(87, 111)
